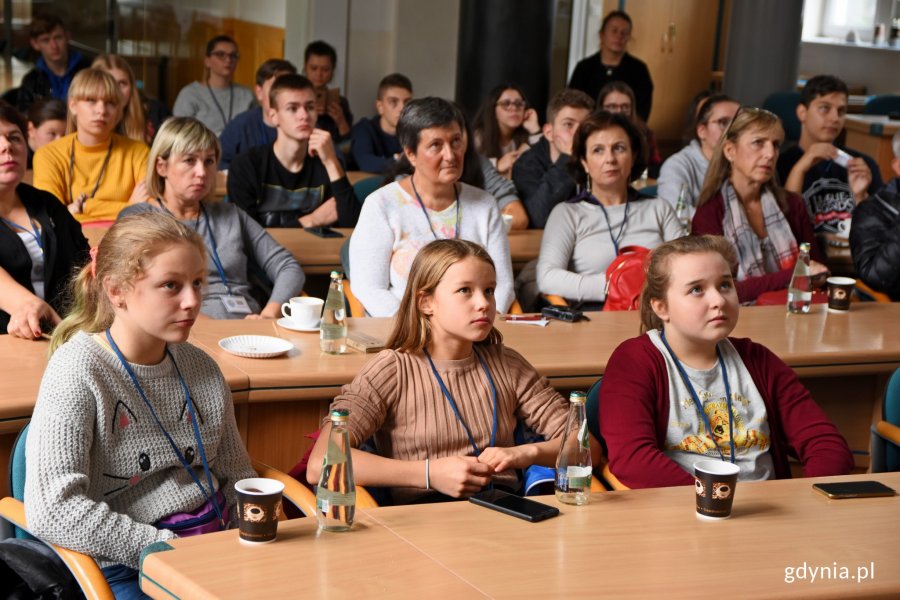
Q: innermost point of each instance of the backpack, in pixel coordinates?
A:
(31, 569)
(625, 278)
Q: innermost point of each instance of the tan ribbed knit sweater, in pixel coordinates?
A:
(397, 399)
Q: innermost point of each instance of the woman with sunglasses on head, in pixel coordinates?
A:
(742, 201)
(687, 168)
(505, 127)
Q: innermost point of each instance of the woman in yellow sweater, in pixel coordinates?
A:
(92, 170)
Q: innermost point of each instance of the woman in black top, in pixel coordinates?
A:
(40, 241)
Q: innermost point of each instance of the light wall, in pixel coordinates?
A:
(875, 68)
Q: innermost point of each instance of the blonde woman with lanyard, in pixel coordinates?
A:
(92, 170)
(402, 217)
(181, 176)
(133, 439)
(40, 242)
(443, 400)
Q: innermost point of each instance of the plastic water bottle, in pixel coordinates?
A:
(682, 210)
(573, 465)
(800, 289)
(336, 492)
(333, 331)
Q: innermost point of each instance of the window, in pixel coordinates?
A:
(836, 18)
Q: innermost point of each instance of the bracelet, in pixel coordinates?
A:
(427, 479)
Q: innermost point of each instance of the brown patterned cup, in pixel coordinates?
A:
(714, 482)
(840, 289)
(259, 506)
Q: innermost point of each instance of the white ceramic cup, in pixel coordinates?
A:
(303, 311)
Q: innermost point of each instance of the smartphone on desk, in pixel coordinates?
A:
(324, 232)
(513, 505)
(854, 489)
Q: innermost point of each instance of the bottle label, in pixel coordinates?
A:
(574, 477)
(329, 498)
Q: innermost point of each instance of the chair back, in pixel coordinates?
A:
(364, 187)
(17, 475)
(890, 412)
(884, 104)
(784, 105)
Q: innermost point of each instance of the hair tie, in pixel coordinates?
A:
(93, 253)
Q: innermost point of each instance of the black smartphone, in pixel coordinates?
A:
(562, 313)
(513, 505)
(854, 489)
(324, 232)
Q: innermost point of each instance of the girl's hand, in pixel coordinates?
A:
(139, 193)
(516, 457)
(505, 162)
(531, 123)
(77, 205)
(459, 476)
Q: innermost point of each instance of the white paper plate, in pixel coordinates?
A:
(255, 346)
(288, 324)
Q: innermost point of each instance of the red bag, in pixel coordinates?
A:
(625, 279)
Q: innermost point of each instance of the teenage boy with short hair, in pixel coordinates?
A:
(296, 181)
(253, 127)
(813, 167)
(319, 62)
(216, 101)
(57, 65)
(541, 174)
(375, 146)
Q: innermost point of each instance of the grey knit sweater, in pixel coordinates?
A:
(214, 107)
(240, 241)
(100, 472)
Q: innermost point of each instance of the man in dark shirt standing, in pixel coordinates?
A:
(57, 65)
(375, 146)
(831, 178)
(613, 63)
(296, 181)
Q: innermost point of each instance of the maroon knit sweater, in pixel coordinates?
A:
(634, 415)
(708, 220)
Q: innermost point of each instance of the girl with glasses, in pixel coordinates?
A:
(505, 127)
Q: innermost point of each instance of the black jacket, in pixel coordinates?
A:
(542, 184)
(36, 85)
(875, 240)
(65, 248)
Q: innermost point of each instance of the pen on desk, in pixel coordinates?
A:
(522, 317)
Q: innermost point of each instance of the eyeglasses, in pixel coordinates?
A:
(618, 108)
(222, 55)
(511, 104)
(722, 123)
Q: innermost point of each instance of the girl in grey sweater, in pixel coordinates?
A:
(132, 425)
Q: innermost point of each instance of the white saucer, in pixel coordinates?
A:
(255, 346)
(288, 324)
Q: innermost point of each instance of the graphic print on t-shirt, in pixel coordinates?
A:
(830, 203)
(716, 411)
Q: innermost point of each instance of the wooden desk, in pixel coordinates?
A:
(322, 255)
(640, 543)
(872, 134)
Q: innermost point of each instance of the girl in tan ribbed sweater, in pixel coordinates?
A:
(442, 402)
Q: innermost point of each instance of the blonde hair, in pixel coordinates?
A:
(746, 118)
(92, 83)
(656, 284)
(412, 328)
(122, 257)
(177, 136)
(133, 122)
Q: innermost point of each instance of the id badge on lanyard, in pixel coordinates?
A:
(236, 305)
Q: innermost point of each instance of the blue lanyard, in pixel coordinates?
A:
(693, 392)
(425, 212)
(615, 240)
(453, 406)
(187, 467)
(33, 233)
(213, 247)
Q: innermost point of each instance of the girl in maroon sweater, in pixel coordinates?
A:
(742, 201)
(684, 391)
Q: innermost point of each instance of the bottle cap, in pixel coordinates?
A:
(578, 397)
(340, 416)
(804, 247)
(337, 275)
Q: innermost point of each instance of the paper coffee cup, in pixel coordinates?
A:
(259, 507)
(714, 483)
(840, 290)
(303, 311)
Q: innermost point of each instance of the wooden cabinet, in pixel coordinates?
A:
(676, 38)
